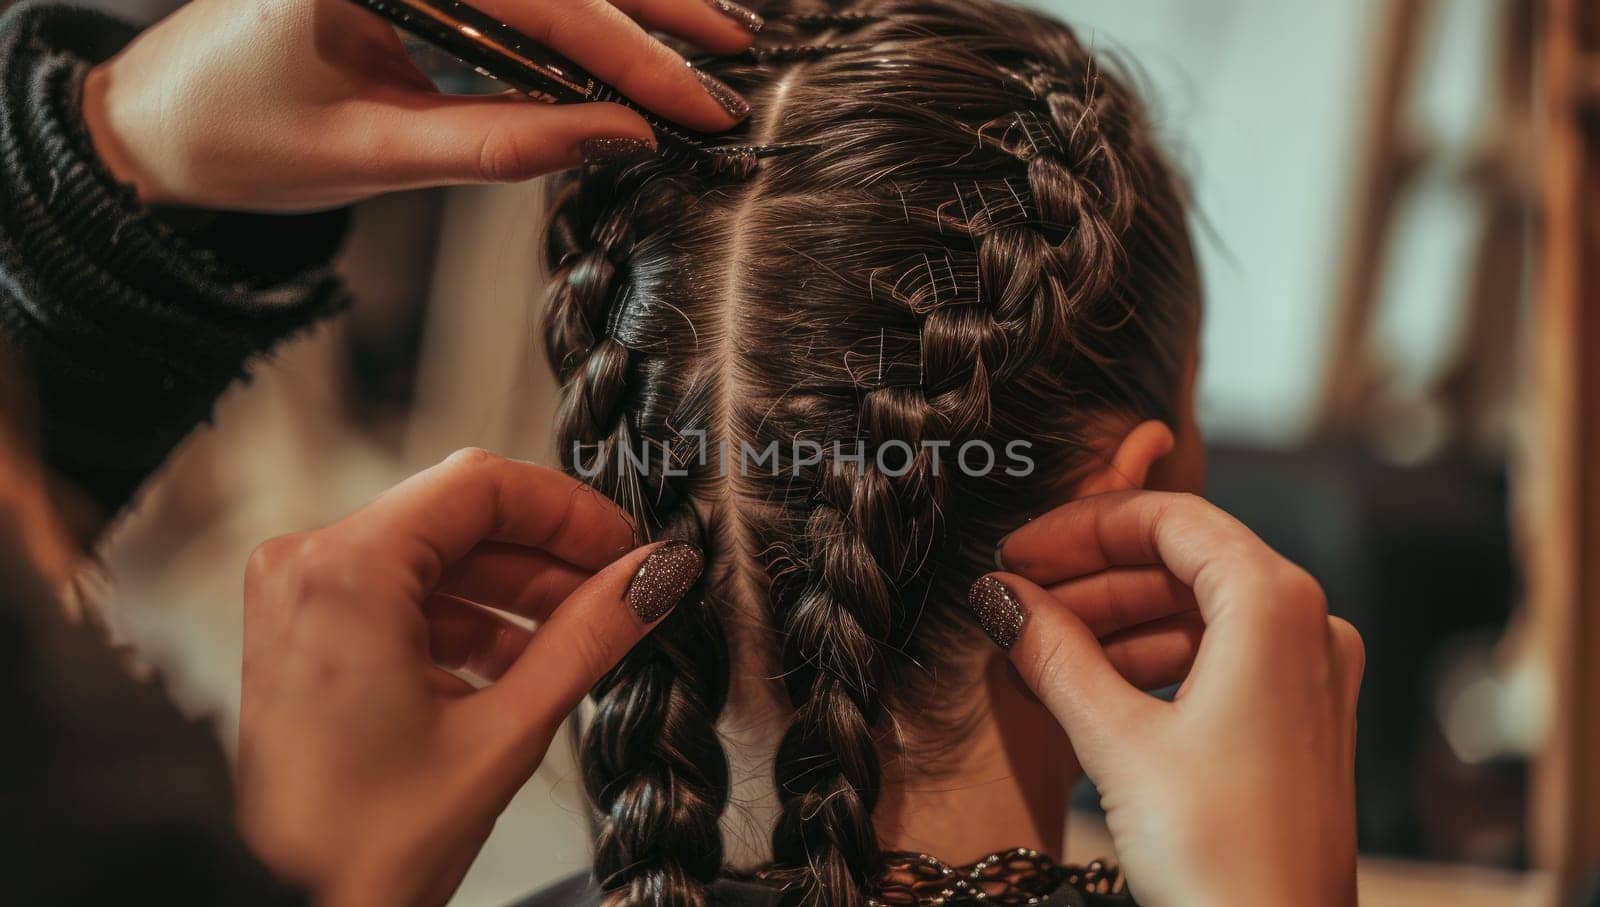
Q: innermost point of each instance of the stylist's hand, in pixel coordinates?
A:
(294, 105)
(368, 773)
(1240, 792)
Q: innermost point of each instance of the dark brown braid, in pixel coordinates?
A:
(983, 247)
(652, 764)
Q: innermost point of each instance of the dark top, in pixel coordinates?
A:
(124, 330)
(129, 328)
(579, 890)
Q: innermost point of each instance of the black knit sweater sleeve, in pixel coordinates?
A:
(127, 329)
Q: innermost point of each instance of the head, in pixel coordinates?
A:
(845, 375)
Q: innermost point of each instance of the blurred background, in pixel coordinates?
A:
(1392, 371)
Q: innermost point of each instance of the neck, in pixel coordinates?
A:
(1005, 784)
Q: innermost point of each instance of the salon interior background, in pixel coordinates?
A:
(1344, 454)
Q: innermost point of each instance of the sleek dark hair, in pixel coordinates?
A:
(979, 242)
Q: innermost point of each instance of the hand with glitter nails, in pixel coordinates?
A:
(300, 105)
(1242, 789)
(394, 696)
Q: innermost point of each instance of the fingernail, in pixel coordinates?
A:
(606, 152)
(997, 609)
(999, 552)
(663, 579)
(744, 16)
(729, 99)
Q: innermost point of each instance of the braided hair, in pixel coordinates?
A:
(820, 370)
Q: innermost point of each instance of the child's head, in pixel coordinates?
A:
(846, 376)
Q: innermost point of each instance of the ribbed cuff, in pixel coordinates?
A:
(128, 328)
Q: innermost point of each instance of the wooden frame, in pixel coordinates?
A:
(1562, 482)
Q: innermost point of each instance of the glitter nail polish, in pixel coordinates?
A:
(744, 16)
(729, 99)
(997, 609)
(663, 579)
(606, 152)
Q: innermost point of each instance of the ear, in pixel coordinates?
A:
(1129, 465)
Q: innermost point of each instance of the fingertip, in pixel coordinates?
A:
(735, 109)
(614, 152)
(610, 119)
(588, 634)
(1000, 552)
(606, 134)
(746, 20)
(620, 531)
(664, 577)
(729, 35)
(997, 609)
(447, 139)
(1025, 621)
(1016, 563)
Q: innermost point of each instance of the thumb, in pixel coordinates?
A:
(1065, 666)
(433, 139)
(588, 634)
